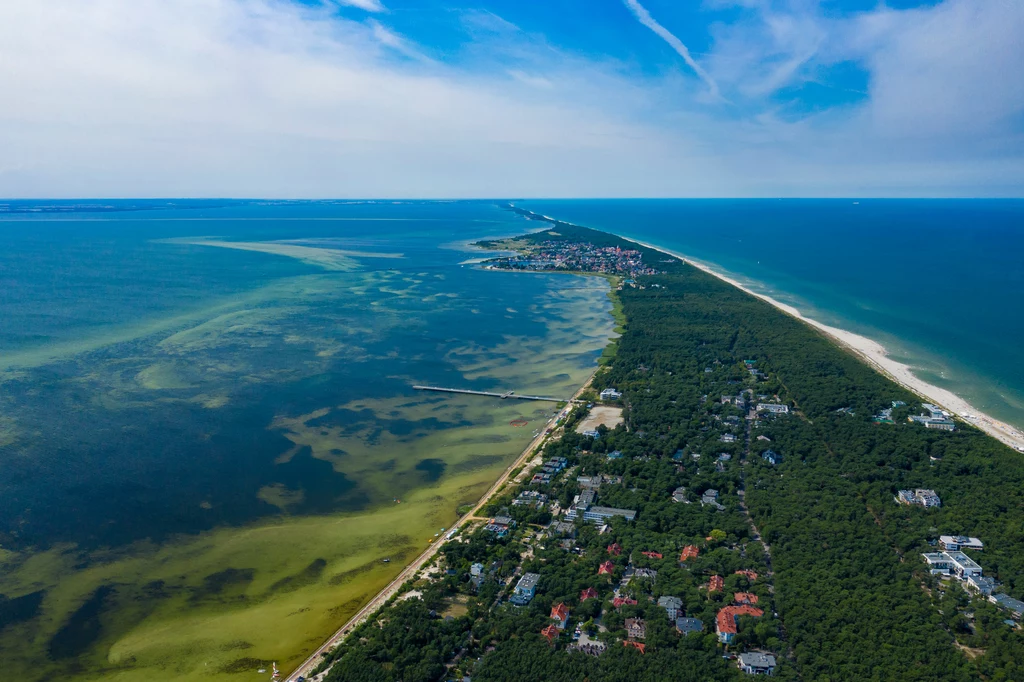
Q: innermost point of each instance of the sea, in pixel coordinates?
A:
(939, 283)
(211, 450)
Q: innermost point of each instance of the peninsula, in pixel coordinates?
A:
(748, 503)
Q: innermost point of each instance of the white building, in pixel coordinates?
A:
(757, 663)
(610, 394)
(920, 496)
(952, 563)
(955, 543)
(773, 408)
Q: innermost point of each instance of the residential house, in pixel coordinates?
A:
(685, 626)
(1015, 606)
(745, 598)
(615, 454)
(476, 569)
(525, 590)
(653, 555)
(751, 575)
(607, 568)
(960, 542)
(773, 408)
(710, 497)
(757, 663)
(771, 457)
(615, 549)
(726, 621)
(728, 438)
(550, 633)
(716, 583)
(689, 552)
(919, 496)
(672, 606)
(563, 528)
(636, 628)
(592, 433)
(560, 614)
(619, 602)
(610, 394)
(679, 495)
(982, 584)
(589, 593)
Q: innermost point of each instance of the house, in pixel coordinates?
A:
(919, 496)
(959, 542)
(653, 555)
(499, 529)
(757, 663)
(679, 495)
(550, 633)
(639, 646)
(981, 584)
(689, 552)
(476, 569)
(745, 598)
(1015, 606)
(560, 614)
(615, 454)
(751, 575)
(773, 408)
(771, 457)
(728, 438)
(530, 498)
(715, 583)
(725, 621)
(610, 394)
(602, 513)
(591, 482)
(592, 433)
(710, 497)
(765, 439)
(615, 549)
(541, 479)
(619, 602)
(525, 590)
(687, 625)
(636, 628)
(672, 606)
(564, 528)
(631, 573)
(589, 593)
(607, 568)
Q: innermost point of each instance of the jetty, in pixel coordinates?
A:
(503, 396)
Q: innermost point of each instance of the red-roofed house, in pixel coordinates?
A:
(619, 602)
(689, 552)
(615, 549)
(745, 598)
(560, 613)
(639, 646)
(607, 568)
(751, 576)
(653, 555)
(725, 621)
(716, 583)
(550, 633)
(589, 593)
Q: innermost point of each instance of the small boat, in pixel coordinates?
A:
(386, 560)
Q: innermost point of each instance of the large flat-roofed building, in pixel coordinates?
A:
(1015, 606)
(525, 590)
(955, 543)
(924, 497)
(952, 563)
(773, 408)
(757, 663)
(603, 513)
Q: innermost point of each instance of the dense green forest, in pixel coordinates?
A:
(845, 593)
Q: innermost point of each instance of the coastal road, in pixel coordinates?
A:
(392, 587)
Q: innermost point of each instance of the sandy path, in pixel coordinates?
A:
(875, 355)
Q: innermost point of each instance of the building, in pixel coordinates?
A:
(589, 482)
(672, 606)
(530, 498)
(757, 663)
(679, 495)
(751, 575)
(956, 543)
(610, 394)
(589, 593)
(476, 569)
(580, 503)
(952, 563)
(631, 573)
(687, 625)
(602, 513)
(728, 438)
(653, 555)
(525, 590)
(607, 568)
(592, 433)
(919, 496)
(619, 602)
(981, 584)
(560, 614)
(689, 552)
(715, 583)
(771, 457)
(615, 549)
(773, 408)
(615, 454)
(550, 633)
(725, 621)
(564, 528)
(639, 646)
(1014, 606)
(636, 628)
(744, 598)
(710, 497)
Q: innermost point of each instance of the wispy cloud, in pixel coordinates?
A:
(367, 5)
(394, 41)
(645, 18)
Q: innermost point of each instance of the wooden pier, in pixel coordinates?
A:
(503, 396)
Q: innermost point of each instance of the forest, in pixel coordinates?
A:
(844, 590)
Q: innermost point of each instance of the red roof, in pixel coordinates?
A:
(747, 572)
(606, 567)
(689, 552)
(715, 583)
(622, 601)
(615, 549)
(745, 598)
(640, 646)
(726, 618)
(589, 593)
(653, 555)
(559, 611)
(550, 633)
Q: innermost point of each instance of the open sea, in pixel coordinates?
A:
(209, 440)
(940, 283)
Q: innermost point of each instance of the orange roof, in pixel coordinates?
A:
(715, 583)
(653, 555)
(589, 593)
(606, 567)
(745, 598)
(640, 646)
(747, 572)
(689, 552)
(560, 611)
(550, 633)
(727, 617)
(622, 601)
(615, 549)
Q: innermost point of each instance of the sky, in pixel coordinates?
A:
(511, 98)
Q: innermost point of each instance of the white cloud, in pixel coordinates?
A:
(367, 5)
(645, 18)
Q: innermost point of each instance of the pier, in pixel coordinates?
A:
(503, 396)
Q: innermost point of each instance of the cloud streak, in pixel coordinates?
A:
(645, 18)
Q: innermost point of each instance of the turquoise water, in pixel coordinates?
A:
(939, 282)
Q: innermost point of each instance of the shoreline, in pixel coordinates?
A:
(875, 355)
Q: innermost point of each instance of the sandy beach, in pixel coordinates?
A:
(876, 355)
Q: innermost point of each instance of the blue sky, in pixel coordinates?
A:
(508, 98)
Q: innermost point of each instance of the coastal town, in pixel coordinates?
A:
(578, 257)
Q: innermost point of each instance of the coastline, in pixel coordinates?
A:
(876, 355)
